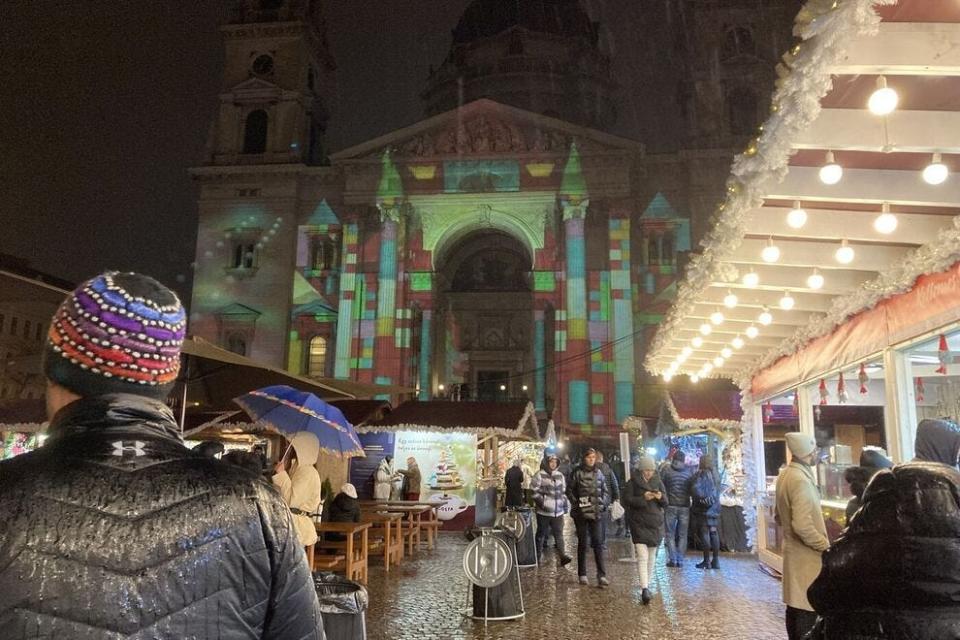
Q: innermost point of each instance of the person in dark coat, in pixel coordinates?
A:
(550, 498)
(644, 498)
(344, 508)
(246, 460)
(705, 493)
(676, 479)
(513, 479)
(210, 449)
(586, 491)
(613, 490)
(937, 441)
(114, 529)
(871, 461)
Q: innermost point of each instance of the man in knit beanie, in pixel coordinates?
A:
(114, 528)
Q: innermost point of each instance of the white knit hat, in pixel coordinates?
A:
(349, 490)
(800, 444)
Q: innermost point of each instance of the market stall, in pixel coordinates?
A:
(827, 288)
(22, 423)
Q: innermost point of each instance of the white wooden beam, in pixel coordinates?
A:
(905, 48)
(859, 130)
(831, 224)
(837, 281)
(868, 257)
(813, 302)
(866, 186)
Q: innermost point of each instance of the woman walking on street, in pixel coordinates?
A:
(644, 498)
(550, 496)
(705, 490)
(587, 493)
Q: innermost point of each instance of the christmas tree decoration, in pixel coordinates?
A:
(842, 390)
(919, 389)
(824, 394)
(943, 354)
(864, 379)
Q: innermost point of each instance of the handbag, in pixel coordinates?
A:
(616, 510)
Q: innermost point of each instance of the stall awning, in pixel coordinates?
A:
(26, 415)
(506, 419)
(798, 248)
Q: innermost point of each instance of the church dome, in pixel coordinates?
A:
(486, 18)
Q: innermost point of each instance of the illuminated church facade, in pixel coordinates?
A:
(505, 246)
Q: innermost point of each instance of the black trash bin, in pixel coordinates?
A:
(343, 604)
(527, 545)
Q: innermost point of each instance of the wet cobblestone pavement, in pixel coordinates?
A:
(426, 597)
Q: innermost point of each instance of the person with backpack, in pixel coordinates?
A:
(587, 491)
(705, 491)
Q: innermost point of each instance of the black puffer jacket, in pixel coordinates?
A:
(676, 478)
(938, 441)
(587, 491)
(895, 571)
(344, 509)
(115, 530)
(705, 492)
(645, 517)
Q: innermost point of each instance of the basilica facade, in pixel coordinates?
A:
(505, 246)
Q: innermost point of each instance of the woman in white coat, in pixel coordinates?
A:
(299, 486)
(383, 479)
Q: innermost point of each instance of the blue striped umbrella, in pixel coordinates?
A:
(289, 411)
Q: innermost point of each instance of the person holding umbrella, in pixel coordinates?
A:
(298, 481)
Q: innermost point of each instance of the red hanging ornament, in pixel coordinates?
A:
(768, 411)
(943, 354)
(796, 403)
(864, 379)
(919, 389)
(841, 390)
(824, 394)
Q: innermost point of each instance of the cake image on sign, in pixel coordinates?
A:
(446, 476)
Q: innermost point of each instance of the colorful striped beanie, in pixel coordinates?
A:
(116, 333)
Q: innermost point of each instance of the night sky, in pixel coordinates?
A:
(105, 104)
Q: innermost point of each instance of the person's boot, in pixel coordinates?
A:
(715, 564)
(602, 582)
(704, 565)
(645, 596)
(584, 580)
(565, 560)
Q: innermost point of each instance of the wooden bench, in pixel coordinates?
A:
(326, 562)
(386, 531)
(432, 527)
(356, 547)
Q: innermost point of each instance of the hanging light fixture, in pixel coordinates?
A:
(697, 342)
(787, 301)
(886, 222)
(694, 378)
(686, 351)
(765, 317)
(884, 100)
(718, 362)
(815, 280)
(706, 329)
(707, 368)
(716, 317)
(751, 279)
(936, 172)
(730, 300)
(681, 358)
(752, 332)
(797, 217)
(771, 252)
(737, 342)
(726, 352)
(667, 376)
(831, 172)
(845, 253)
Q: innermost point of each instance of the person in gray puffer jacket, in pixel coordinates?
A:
(550, 497)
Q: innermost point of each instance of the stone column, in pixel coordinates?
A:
(539, 362)
(578, 367)
(426, 387)
(384, 346)
(345, 307)
(622, 316)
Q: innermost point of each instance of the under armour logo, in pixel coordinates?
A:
(121, 448)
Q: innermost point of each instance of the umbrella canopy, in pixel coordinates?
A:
(289, 411)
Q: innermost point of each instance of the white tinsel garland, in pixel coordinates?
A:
(751, 497)
(826, 29)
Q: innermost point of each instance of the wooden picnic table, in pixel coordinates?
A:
(392, 526)
(414, 511)
(356, 546)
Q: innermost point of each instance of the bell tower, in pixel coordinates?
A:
(278, 74)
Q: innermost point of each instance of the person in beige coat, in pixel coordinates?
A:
(804, 532)
(300, 486)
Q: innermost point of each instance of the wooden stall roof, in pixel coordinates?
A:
(506, 419)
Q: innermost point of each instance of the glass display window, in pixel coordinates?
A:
(932, 368)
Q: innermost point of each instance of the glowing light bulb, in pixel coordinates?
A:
(884, 100)
(524, 387)
(726, 352)
(730, 300)
(706, 329)
(697, 342)
(716, 317)
(845, 253)
(441, 387)
(694, 378)
(686, 351)
(707, 368)
(503, 387)
(752, 332)
(787, 301)
(771, 252)
(682, 358)
(718, 362)
(831, 172)
(797, 217)
(936, 172)
(765, 317)
(886, 222)
(737, 343)
(815, 280)
(667, 376)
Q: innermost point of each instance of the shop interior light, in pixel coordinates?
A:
(884, 100)
(751, 279)
(844, 254)
(697, 342)
(726, 352)
(752, 332)
(771, 252)
(667, 376)
(441, 387)
(716, 317)
(737, 342)
(730, 300)
(707, 368)
(682, 358)
(694, 378)
(765, 317)
(797, 217)
(524, 387)
(718, 362)
(706, 329)
(831, 172)
(886, 222)
(936, 172)
(503, 387)
(686, 351)
(815, 280)
(787, 301)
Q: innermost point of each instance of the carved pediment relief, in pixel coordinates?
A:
(484, 135)
(255, 90)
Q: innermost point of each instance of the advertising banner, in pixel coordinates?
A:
(448, 465)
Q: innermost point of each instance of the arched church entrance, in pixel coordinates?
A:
(486, 297)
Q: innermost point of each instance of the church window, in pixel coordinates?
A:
(237, 344)
(653, 249)
(742, 111)
(39, 336)
(244, 255)
(667, 249)
(738, 41)
(255, 132)
(310, 79)
(14, 323)
(26, 329)
(323, 253)
(1, 321)
(317, 357)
